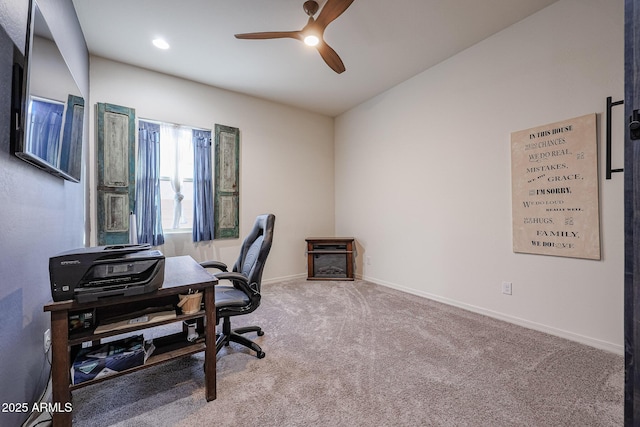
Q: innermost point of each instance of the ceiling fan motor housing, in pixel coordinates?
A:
(310, 7)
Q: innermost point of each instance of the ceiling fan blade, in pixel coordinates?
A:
(270, 35)
(331, 10)
(331, 57)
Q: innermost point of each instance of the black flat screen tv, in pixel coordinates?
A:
(47, 107)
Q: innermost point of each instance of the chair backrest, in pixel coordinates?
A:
(254, 250)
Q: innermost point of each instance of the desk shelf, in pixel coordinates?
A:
(85, 336)
(167, 348)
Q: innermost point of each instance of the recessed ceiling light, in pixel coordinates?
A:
(160, 44)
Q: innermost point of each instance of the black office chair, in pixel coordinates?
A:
(242, 296)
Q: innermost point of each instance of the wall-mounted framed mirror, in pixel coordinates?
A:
(48, 114)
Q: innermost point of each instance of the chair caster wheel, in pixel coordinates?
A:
(261, 355)
(260, 333)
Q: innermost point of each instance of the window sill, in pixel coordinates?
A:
(177, 231)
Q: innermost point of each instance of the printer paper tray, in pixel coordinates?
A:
(95, 293)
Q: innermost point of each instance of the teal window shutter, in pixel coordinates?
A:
(227, 183)
(116, 172)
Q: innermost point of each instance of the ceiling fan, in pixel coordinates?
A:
(312, 33)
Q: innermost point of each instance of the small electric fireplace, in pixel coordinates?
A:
(330, 258)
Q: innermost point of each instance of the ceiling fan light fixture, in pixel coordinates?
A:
(311, 40)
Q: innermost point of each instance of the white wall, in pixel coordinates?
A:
(286, 158)
(41, 214)
(423, 174)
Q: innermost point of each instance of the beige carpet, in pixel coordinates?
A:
(358, 354)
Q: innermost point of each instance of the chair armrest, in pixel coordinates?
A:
(230, 275)
(214, 264)
(239, 281)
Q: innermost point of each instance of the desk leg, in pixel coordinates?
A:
(210, 350)
(60, 375)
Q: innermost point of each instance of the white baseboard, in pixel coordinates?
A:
(284, 278)
(593, 342)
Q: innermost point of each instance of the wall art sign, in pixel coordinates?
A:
(554, 179)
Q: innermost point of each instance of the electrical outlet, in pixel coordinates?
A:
(368, 260)
(47, 340)
(506, 288)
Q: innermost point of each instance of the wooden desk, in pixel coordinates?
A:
(181, 275)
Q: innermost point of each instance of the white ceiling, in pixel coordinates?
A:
(381, 42)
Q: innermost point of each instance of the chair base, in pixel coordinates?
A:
(228, 335)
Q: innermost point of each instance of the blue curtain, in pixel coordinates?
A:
(45, 130)
(202, 187)
(148, 215)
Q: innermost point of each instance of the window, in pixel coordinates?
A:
(176, 177)
(175, 183)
